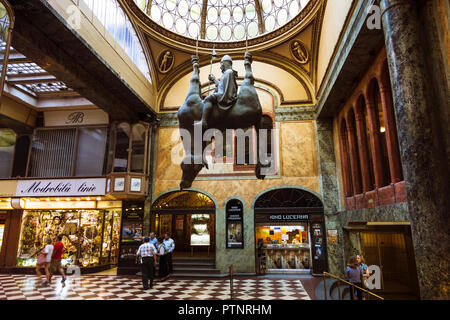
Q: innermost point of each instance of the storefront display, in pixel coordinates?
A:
(285, 247)
(90, 237)
(2, 229)
(235, 224)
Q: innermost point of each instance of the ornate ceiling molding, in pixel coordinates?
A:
(183, 43)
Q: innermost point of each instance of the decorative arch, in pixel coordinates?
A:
(173, 191)
(315, 198)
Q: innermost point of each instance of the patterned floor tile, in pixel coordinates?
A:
(98, 287)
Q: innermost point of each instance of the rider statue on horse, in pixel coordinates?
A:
(225, 108)
(225, 95)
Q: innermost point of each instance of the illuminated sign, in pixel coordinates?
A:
(55, 188)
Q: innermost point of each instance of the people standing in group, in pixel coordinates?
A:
(364, 271)
(147, 252)
(43, 261)
(55, 266)
(163, 263)
(169, 245)
(353, 272)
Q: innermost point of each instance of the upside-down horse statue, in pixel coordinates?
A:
(221, 110)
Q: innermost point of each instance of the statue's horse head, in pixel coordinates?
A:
(190, 172)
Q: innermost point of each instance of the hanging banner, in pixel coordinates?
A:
(61, 188)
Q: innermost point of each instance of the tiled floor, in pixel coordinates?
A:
(104, 287)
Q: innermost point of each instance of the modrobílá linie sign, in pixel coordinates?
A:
(61, 188)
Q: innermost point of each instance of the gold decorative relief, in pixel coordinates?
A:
(299, 52)
(166, 60)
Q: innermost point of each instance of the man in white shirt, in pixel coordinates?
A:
(169, 245)
(148, 253)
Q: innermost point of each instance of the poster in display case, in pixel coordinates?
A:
(200, 233)
(131, 238)
(235, 224)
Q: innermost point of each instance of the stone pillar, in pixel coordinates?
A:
(375, 144)
(329, 188)
(391, 137)
(352, 143)
(363, 152)
(421, 144)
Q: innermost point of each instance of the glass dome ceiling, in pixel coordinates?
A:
(222, 20)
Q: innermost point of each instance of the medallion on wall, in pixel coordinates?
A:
(299, 52)
(166, 60)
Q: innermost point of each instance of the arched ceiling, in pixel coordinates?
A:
(286, 54)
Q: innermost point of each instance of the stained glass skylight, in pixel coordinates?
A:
(223, 20)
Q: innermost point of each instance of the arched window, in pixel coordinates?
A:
(381, 132)
(362, 112)
(348, 186)
(354, 153)
(392, 127)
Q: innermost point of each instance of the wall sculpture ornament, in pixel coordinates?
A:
(166, 60)
(299, 52)
(221, 112)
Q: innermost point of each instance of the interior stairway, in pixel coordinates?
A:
(194, 267)
(332, 290)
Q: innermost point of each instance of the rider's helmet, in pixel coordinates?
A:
(226, 58)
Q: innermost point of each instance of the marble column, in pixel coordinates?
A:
(363, 152)
(329, 188)
(423, 156)
(391, 137)
(375, 144)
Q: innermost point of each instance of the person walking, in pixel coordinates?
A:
(169, 244)
(163, 265)
(147, 252)
(55, 265)
(44, 259)
(353, 272)
(364, 272)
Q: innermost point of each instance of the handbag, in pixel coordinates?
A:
(138, 260)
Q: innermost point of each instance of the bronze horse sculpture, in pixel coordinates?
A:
(245, 113)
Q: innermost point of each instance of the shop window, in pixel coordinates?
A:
(52, 153)
(122, 147)
(21, 157)
(91, 151)
(67, 152)
(7, 142)
(381, 131)
(138, 148)
(2, 230)
(90, 237)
